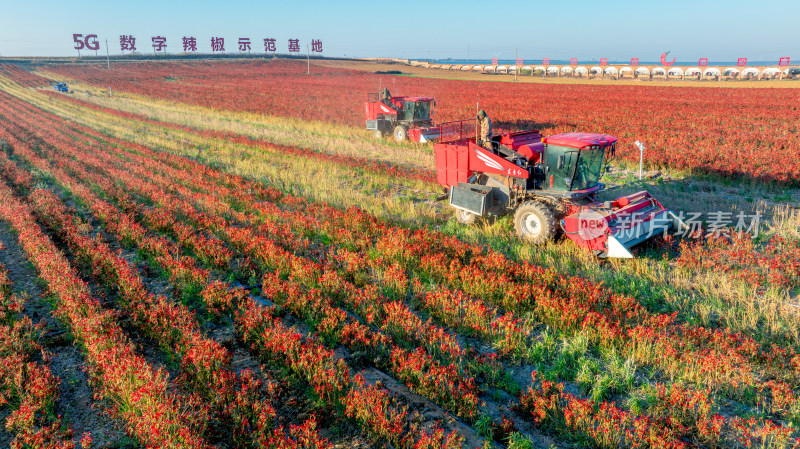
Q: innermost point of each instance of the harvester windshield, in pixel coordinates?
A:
(573, 169)
(587, 172)
(416, 110)
(560, 160)
(423, 110)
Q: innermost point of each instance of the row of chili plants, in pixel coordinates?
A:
(24, 77)
(418, 435)
(135, 391)
(461, 392)
(455, 308)
(28, 385)
(514, 275)
(776, 265)
(238, 399)
(770, 266)
(265, 282)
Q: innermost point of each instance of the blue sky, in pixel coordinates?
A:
(718, 30)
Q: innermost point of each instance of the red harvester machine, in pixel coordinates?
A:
(412, 120)
(544, 181)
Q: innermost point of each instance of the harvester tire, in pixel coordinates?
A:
(400, 133)
(378, 134)
(535, 223)
(465, 217)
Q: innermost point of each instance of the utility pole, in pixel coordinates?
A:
(108, 58)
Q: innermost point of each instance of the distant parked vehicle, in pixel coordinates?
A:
(62, 87)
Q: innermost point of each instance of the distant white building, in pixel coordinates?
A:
(675, 71)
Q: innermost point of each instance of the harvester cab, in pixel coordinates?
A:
(62, 87)
(574, 162)
(548, 183)
(409, 119)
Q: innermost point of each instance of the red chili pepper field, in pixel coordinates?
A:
(216, 254)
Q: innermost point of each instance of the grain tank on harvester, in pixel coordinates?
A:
(547, 183)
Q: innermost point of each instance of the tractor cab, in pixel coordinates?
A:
(409, 118)
(415, 110)
(573, 162)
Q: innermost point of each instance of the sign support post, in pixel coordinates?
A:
(641, 157)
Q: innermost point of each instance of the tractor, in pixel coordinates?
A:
(61, 87)
(547, 183)
(411, 120)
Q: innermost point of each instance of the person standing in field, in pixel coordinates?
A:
(486, 129)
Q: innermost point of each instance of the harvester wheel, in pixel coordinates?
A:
(378, 134)
(534, 222)
(400, 133)
(465, 217)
